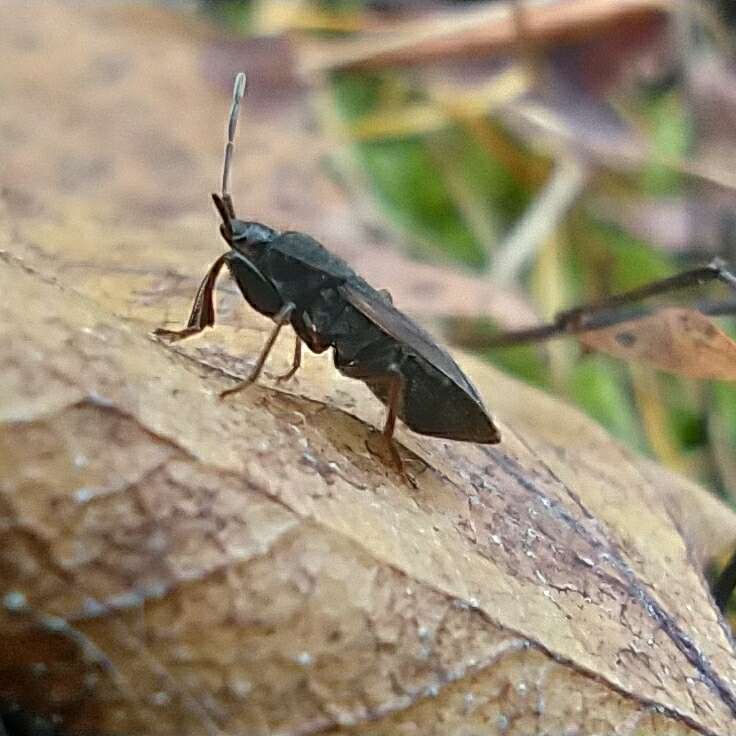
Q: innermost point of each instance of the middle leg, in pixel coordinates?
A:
(295, 362)
(281, 318)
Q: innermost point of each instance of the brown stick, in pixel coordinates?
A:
(606, 312)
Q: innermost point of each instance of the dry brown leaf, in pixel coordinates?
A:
(673, 339)
(174, 564)
(251, 568)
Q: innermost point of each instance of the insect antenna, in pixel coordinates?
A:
(225, 203)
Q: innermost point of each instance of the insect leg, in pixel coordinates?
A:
(391, 377)
(203, 308)
(281, 318)
(295, 363)
(395, 389)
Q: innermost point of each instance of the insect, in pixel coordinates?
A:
(293, 279)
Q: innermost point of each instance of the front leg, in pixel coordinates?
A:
(203, 308)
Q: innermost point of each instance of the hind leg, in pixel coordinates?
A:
(383, 374)
(395, 390)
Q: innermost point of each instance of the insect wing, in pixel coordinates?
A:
(396, 324)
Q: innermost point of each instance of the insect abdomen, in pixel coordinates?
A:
(435, 406)
(431, 403)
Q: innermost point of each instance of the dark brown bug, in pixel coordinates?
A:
(291, 278)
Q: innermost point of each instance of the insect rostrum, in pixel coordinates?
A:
(293, 279)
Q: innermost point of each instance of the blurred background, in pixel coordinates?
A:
(551, 153)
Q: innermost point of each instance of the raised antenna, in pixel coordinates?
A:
(232, 124)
